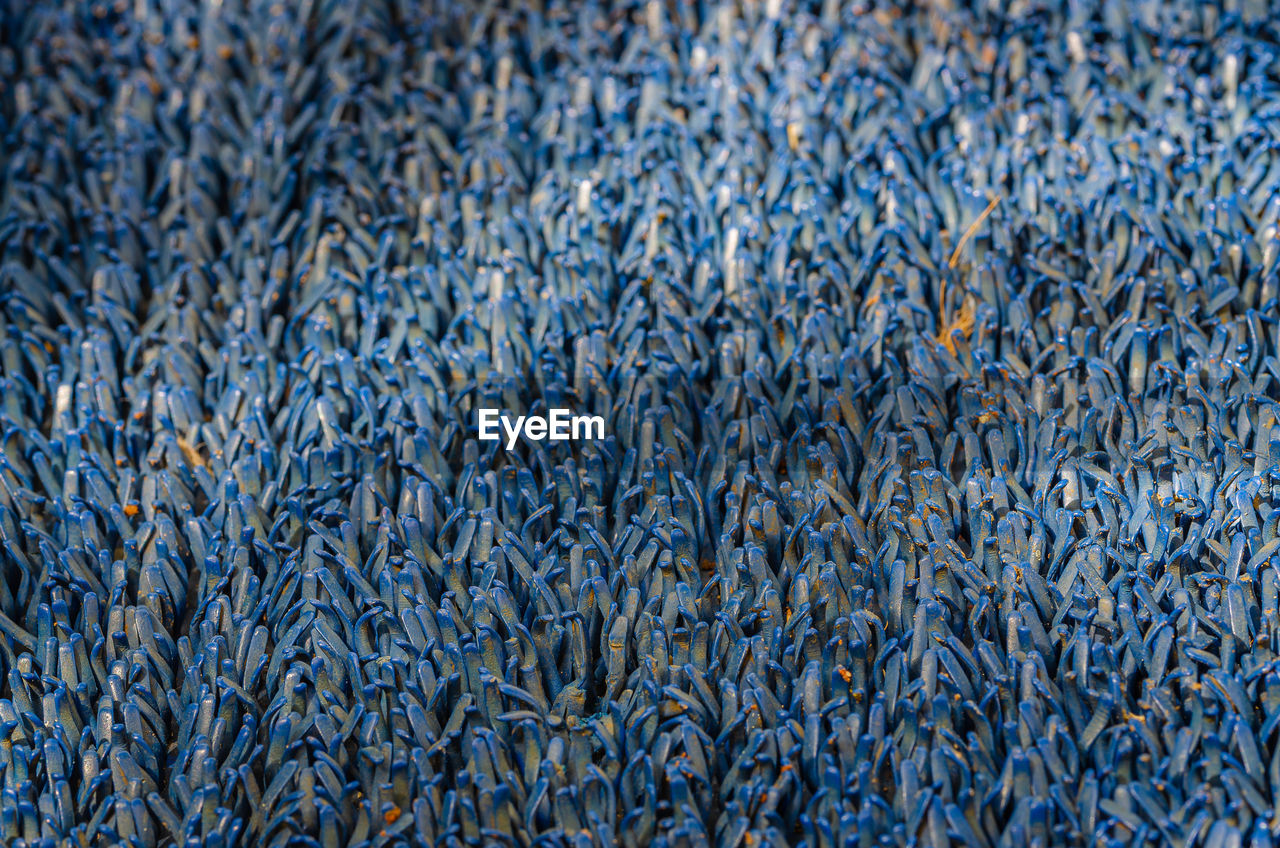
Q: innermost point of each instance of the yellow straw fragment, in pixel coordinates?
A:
(973, 228)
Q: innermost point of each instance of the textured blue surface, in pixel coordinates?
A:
(937, 351)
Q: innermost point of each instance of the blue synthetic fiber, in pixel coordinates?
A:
(933, 348)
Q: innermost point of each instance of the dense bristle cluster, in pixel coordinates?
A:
(936, 347)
